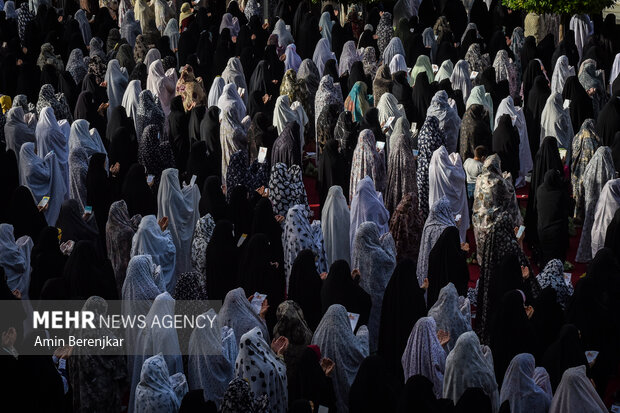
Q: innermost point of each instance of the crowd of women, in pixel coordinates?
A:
(156, 152)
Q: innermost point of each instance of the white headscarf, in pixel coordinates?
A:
(335, 225)
(263, 370)
(15, 259)
(157, 339)
(439, 218)
(325, 26)
(520, 389)
(116, 79)
(238, 314)
(172, 31)
(398, 64)
(233, 73)
(82, 20)
(129, 27)
(158, 392)
(162, 85)
(555, 121)
(180, 205)
(152, 56)
(335, 338)
(216, 91)
(480, 96)
(446, 178)
(284, 35)
(388, 106)
(375, 257)
(561, 72)
(581, 25)
(424, 354)
(131, 99)
(323, 53)
(298, 235)
(231, 23)
(445, 71)
(143, 13)
(233, 126)
(448, 117)
(576, 394)
(83, 137)
(393, 48)
(139, 291)
(292, 60)
(460, 79)
(212, 353)
(367, 206)
(229, 100)
(541, 377)
(615, 71)
(348, 56)
(52, 136)
(285, 112)
(78, 170)
(17, 132)
(507, 107)
(451, 314)
(606, 206)
(149, 239)
(468, 365)
(44, 178)
(163, 13)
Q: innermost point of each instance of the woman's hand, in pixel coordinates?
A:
(263, 309)
(525, 272)
(529, 311)
(163, 223)
(327, 365)
(443, 337)
(115, 169)
(280, 345)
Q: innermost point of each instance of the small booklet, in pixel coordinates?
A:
(567, 278)
(262, 154)
(353, 319)
(520, 231)
(43, 201)
(473, 75)
(388, 123)
(241, 240)
(562, 153)
(591, 355)
(257, 301)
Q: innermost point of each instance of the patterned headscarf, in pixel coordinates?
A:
(299, 235)
(429, 139)
(367, 162)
